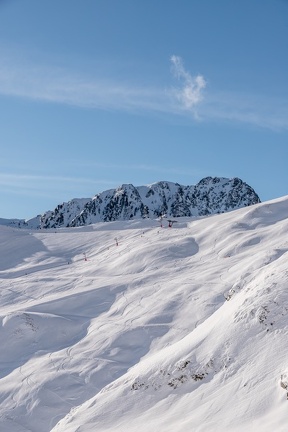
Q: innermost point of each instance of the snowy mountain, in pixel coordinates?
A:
(209, 196)
(130, 326)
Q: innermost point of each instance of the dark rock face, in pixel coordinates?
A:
(209, 196)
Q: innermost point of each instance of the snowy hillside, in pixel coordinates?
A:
(130, 326)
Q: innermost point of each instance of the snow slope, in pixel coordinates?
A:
(174, 329)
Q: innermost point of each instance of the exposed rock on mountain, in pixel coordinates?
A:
(209, 196)
(63, 214)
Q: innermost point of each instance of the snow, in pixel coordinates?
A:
(175, 329)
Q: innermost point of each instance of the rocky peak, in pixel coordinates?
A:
(211, 195)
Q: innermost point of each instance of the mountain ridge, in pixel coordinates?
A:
(210, 195)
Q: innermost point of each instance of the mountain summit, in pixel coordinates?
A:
(209, 196)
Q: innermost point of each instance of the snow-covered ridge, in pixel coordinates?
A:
(209, 196)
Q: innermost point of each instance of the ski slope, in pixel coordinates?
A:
(174, 329)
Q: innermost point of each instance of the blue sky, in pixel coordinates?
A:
(99, 93)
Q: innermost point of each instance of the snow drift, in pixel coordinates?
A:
(127, 326)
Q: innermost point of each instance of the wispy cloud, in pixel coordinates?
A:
(60, 85)
(39, 82)
(247, 109)
(190, 94)
(13, 178)
(39, 185)
(157, 169)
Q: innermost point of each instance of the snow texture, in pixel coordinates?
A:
(130, 326)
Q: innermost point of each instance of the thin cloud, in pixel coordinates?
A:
(145, 168)
(55, 189)
(38, 184)
(190, 94)
(51, 84)
(257, 110)
(58, 85)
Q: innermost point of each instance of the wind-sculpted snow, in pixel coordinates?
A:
(130, 326)
(25, 244)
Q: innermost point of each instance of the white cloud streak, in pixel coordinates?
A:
(14, 177)
(58, 85)
(191, 92)
(27, 184)
(256, 110)
(146, 168)
(53, 84)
